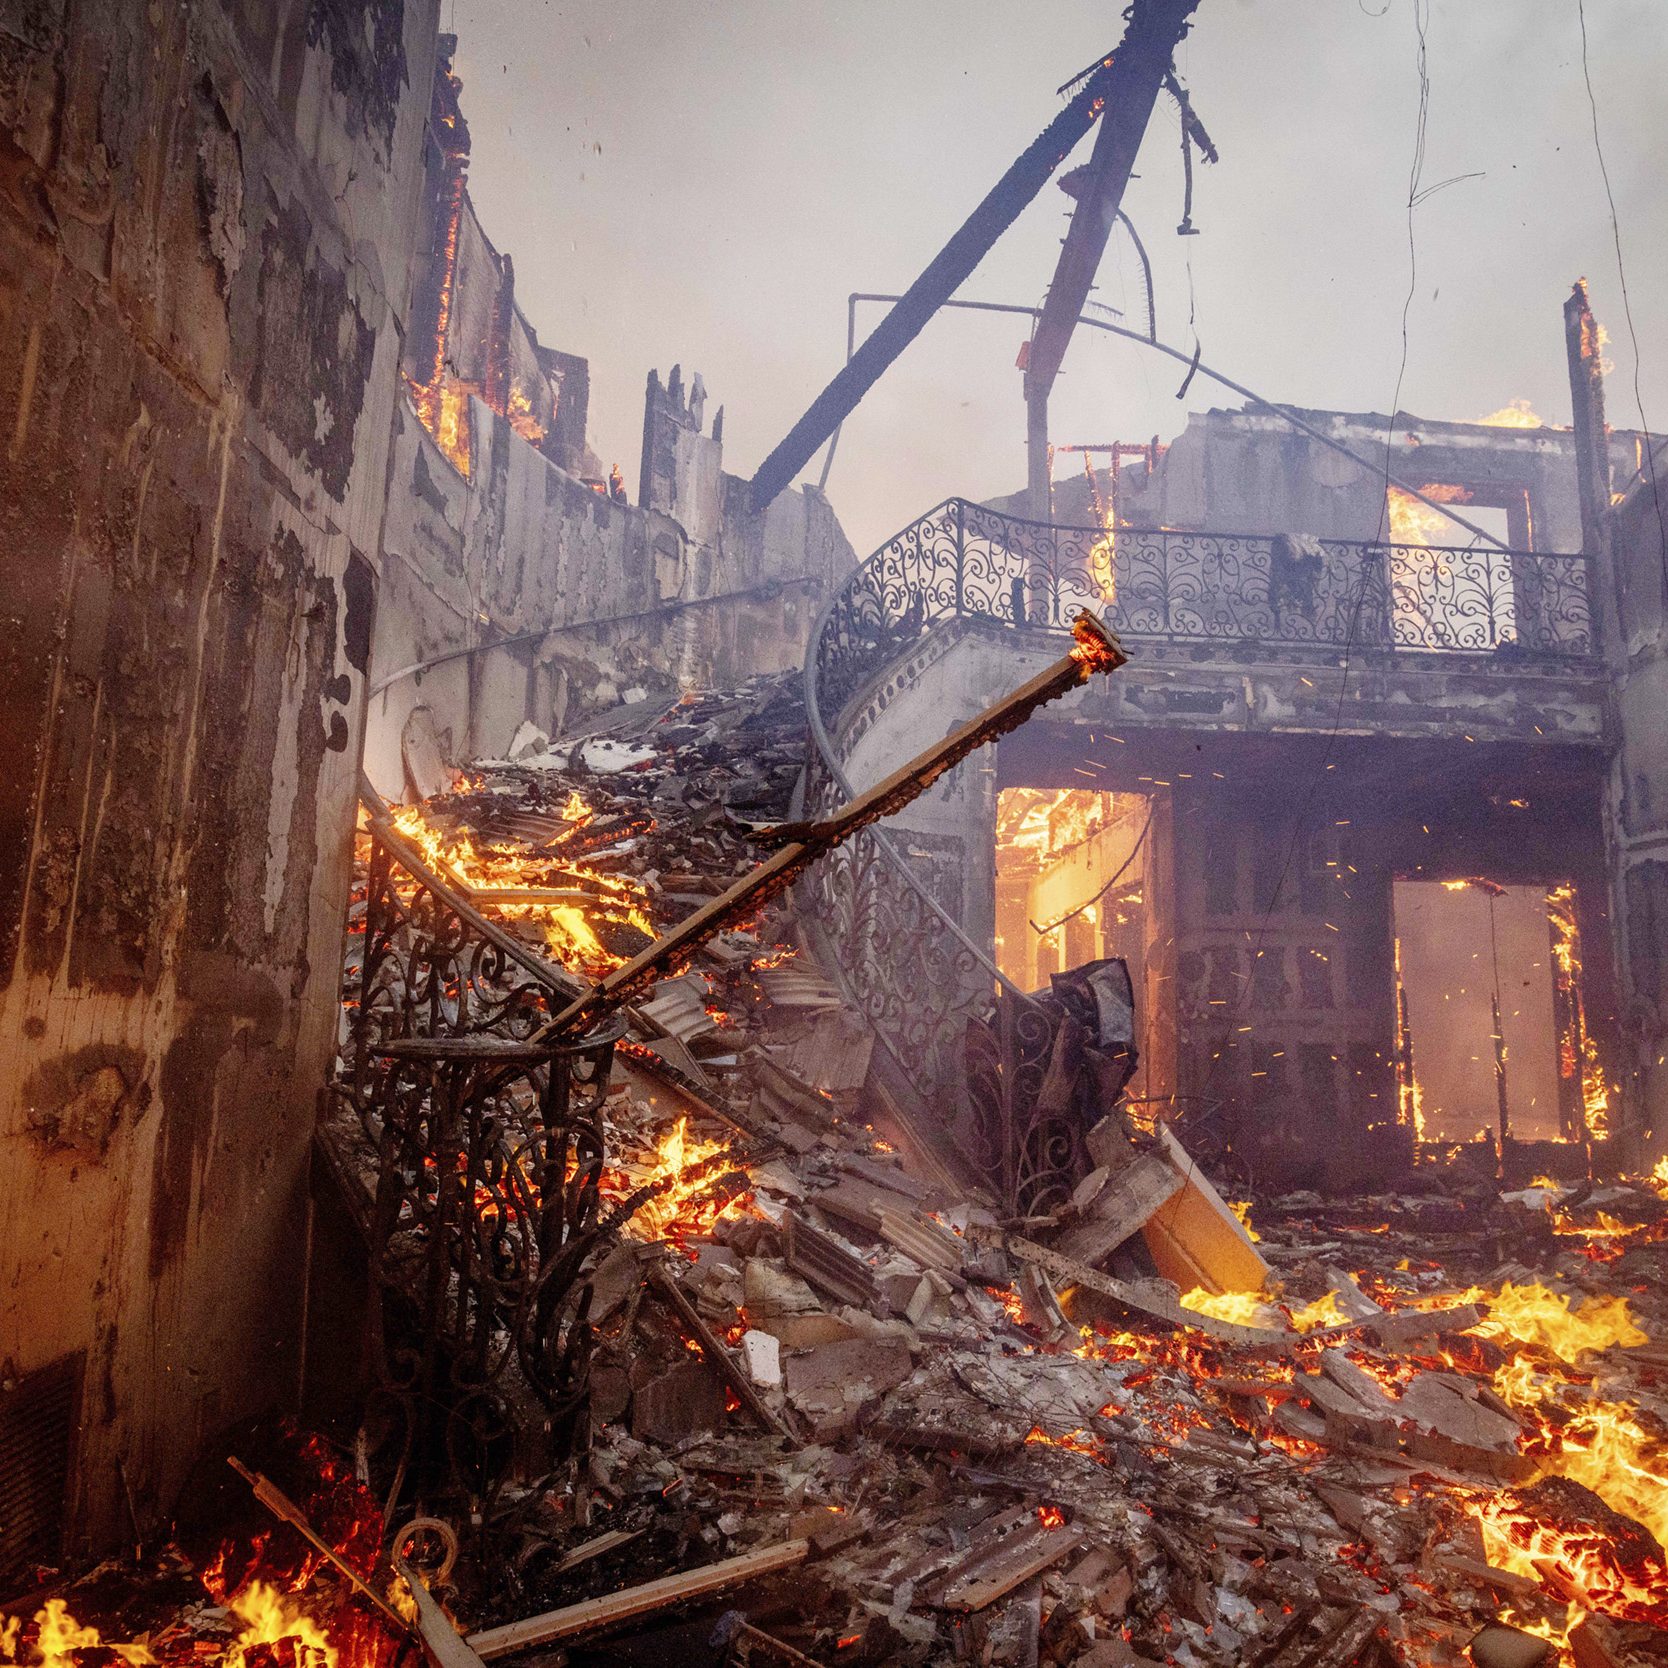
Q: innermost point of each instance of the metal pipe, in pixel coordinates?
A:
(1245, 393)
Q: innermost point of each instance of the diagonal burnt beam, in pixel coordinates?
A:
(944, 275)
(1140, 67)
(1095, 649)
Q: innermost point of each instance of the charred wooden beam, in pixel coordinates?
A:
(947, 271)
(281, 1506)
(1139, 68)
(717, 1354)
(1592, 459)
(575, 1620)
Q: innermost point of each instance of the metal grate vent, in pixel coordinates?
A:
(37, 1430)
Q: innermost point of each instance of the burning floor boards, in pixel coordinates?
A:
(888, 1429)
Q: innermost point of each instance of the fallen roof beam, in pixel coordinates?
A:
(945, 274)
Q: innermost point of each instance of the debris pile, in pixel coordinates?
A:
(961, 1461)
(1121, 1431)
(842, 1411)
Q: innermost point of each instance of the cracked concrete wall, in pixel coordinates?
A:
(205, 212)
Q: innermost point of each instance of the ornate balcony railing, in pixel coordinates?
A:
(902, 956)
(483, 1148)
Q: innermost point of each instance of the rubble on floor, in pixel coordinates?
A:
(842, 1413)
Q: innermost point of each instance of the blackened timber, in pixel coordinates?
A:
(1095, 649)
(281, 1506)
(1139, 68)
(944, 275)
(721, 1358)
(1583, 345)
(575, 1620)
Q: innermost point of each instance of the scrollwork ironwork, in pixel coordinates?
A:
(924, 985)
(488, 1153)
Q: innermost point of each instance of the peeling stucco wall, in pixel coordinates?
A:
(520, 549)
(204, 218)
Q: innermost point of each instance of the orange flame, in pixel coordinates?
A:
(59, 1636)
(569, 928)
(1514, 414)
(1412, 521)
(687, 1166)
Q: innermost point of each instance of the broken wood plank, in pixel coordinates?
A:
(593, 1548)
(1066, 1271)
(1441, 1408)
(734, 1629)
(281, 1506)
(1195, 1239)
(1042, 1307)
(572, 1620)
(718, 1354)
(1122, 1208)
(1502, 1581)
(483, 897)
(1011, 1563)
(442, 1644)
(1346, 1417)
(1358, 1381)
(1405, 1326)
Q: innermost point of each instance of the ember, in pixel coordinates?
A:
(682, 1174)
(611, 1062)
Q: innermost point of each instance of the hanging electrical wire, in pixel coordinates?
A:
(1123, 869)
(1421, 18)
(1627, 301)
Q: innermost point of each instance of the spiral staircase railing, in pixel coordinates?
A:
(901, 957)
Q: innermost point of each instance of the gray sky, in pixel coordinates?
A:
(705, 181)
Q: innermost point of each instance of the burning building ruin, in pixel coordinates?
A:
(588, 1077)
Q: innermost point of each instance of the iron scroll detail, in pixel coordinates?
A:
(901, 957)
(485, 1149)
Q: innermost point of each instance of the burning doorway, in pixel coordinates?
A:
(1491, 1033)
(1072, 873)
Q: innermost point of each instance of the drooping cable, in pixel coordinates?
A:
(1301, 823)
(1123, 868)
(1627, 302)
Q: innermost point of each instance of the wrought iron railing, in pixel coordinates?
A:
(484, 1149)
(964, 561)
(903, 958)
